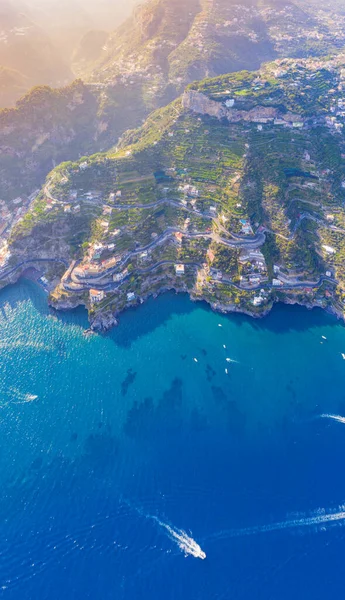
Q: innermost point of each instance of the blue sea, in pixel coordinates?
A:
(123, 455)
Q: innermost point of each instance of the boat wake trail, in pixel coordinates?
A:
(183, 540)
(321, 519)
(17, 397)
(186, 543)
(20, 397)
(338, 418)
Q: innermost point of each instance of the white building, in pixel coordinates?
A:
(96, 296)
(229, 103)
(179, 269)
(257, 300)
(329, 249)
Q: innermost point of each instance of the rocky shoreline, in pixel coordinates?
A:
(102, 322)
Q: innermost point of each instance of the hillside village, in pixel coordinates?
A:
(234, 193)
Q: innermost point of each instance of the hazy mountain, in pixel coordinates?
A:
(39, 39)
(26, 49)
(174, 42)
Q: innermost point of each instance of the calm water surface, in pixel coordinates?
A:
(109, 444)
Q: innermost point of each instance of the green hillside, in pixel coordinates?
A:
(241, 181)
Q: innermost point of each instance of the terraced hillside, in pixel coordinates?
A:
(234, 192)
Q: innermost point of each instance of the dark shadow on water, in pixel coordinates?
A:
(210, 372)
(154, 420)
(101, 452)
(128, 381)
(234, 419)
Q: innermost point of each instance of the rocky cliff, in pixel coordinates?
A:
(201, 104)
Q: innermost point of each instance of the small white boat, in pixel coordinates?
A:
(195, 359)
(224, 346)
(226, 371)
(343, 355)
(324, 337)
(219, 325)
(228, 360)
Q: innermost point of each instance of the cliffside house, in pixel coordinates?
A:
(246, 227)
(110, 263)
(96, 296)
(257, 300)
(120, 276)
(329, 249)
(178, 237)
(179, 269)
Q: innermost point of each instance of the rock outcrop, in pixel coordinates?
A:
(201, 104)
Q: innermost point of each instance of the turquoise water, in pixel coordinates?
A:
(110, 443)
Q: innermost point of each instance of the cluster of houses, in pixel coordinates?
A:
(189, 191)
(97, 296)
(254, 268)
(96, 269)
(72, 206)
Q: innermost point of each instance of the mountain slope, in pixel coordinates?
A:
(234, 193)
(183, 41)
(48, 126)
